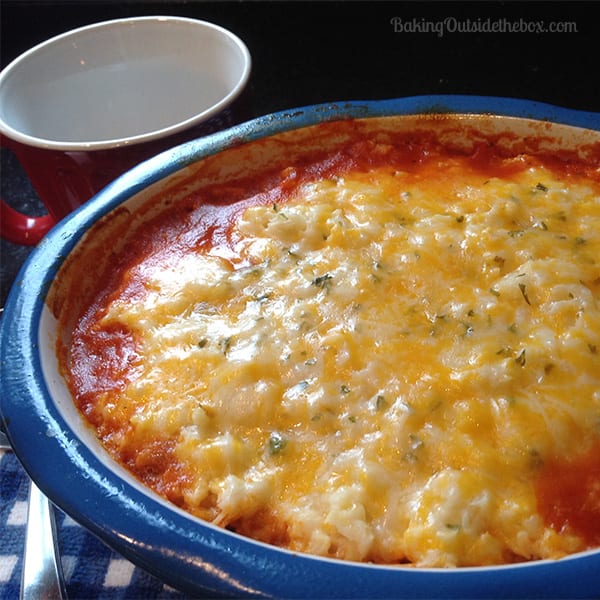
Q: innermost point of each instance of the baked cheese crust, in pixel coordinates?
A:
(378, 364)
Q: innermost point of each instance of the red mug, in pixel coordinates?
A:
(84, 107)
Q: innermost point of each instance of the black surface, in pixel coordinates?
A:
(310, 52)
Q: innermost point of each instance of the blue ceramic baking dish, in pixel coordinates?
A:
(193, 556)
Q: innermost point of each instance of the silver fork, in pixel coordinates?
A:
(42, 576)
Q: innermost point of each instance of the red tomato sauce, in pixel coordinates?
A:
(568, 495)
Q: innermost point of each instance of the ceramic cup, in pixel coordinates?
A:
(84, 107)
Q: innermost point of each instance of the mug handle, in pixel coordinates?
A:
(17, 227)
(23, 229)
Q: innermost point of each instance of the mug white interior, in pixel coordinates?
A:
(122, 81)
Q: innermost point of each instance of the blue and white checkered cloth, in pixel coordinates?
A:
(92, 570)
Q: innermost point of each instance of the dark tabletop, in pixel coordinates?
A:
(305, 53)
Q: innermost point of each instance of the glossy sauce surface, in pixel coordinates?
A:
(569, 495)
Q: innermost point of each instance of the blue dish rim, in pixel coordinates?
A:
(193, 557)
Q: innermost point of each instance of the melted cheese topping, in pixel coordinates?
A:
(376, 368)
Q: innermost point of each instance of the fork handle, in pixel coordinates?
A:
(42, 577)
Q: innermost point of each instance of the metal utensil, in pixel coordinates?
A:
(42, 575)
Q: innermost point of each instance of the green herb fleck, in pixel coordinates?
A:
(323, 281)
(277, 443)
(468, 329)
(381, 403)
(225, 344)
(523, 289)
(535, 459)
(520, 359)
(506, 351)
(415, 443)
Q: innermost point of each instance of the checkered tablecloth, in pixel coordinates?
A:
(92, 570)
